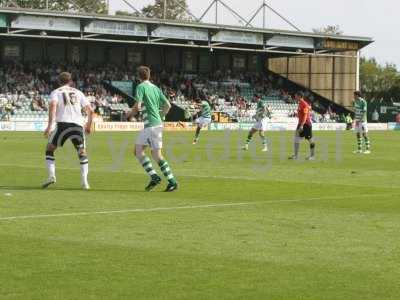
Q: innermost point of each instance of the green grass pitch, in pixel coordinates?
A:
(244, 225)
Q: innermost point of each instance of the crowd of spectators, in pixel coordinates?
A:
(226, 91)
(33, 83)
(327, 117)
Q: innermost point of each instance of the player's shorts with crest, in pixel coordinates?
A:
(203, 121)
(68, 131)
(361, 127)
(261, 125)
(152, 137)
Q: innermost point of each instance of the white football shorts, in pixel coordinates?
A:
(261, 125)
(203, 121)
(152, 137)
(361, 127)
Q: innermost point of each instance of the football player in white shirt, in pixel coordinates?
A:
(65, 109)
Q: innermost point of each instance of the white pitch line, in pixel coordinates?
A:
(156, 209)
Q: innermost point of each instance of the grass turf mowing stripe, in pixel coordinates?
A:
(156, 209)
(180, 174)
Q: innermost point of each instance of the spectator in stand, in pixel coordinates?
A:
(398, 118)
(36, 104)
(375, 116)
(8, 111)
(42, 103)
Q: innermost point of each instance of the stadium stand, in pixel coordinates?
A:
(25, 90)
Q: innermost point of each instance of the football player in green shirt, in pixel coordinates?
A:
(361, 125)
(204, 119)
(150, 100)
(261, 117)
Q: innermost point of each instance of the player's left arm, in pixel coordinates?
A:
(268, 111)
(364, 106)
(166, 108)
(303, 121)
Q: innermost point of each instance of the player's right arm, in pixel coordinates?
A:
(137, 107)
(52, 114)
(90, 113)
(303, 117)
(197, 109)
(85, 104)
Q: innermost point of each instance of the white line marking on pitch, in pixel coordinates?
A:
(156, 209)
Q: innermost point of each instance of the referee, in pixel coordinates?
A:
(304, 127)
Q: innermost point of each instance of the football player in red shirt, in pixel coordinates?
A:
(304, 127)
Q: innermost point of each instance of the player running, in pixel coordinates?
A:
(65, 108)
(361, 126)
(204, 119)
(149, 100)
(304, 127)
(261, 117)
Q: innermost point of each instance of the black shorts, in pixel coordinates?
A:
(307, 132)
(68, 131)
